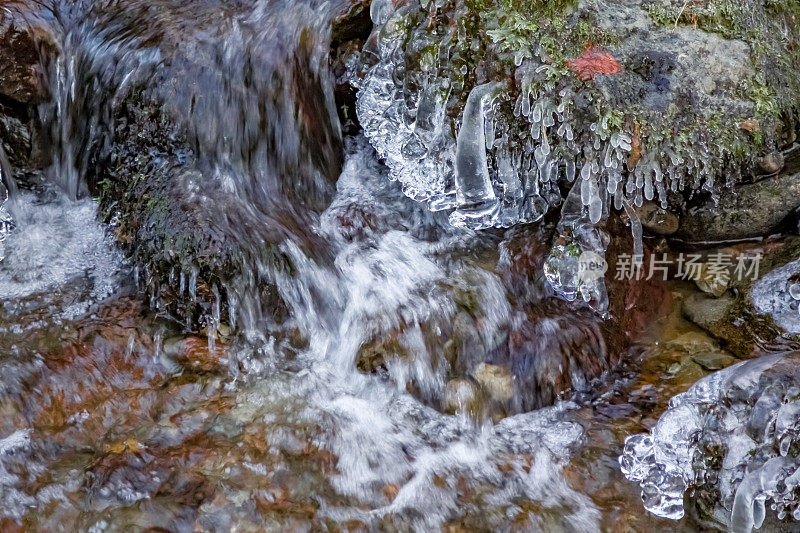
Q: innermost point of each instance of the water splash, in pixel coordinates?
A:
(390, 273)
(58, 243)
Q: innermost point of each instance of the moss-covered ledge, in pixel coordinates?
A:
(689, 102)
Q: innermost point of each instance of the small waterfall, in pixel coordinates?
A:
(398, 272)
(8, 192)
(96, 64)
(241, 97)
(269, 113)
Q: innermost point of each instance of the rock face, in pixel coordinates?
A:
(732, 441)
(23, 42)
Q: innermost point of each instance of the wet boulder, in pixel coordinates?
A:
(642, 100)
(751, 210)
(757, 311)
(727, 450)
(200, 190)
(501, 114)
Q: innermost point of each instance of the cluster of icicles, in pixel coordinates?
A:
(494, 173)
(733, 435)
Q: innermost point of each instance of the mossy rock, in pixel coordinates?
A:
(173, 238)
(653, 106)
(202, 165)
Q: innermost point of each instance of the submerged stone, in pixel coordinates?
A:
(656, 219)
(759, 312)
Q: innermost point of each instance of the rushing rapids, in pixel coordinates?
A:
(260, 323)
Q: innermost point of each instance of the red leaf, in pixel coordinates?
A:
(594, 61)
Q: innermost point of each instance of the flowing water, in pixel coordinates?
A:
(359, 409)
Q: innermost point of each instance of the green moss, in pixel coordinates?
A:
(516, 26)
(772, 30)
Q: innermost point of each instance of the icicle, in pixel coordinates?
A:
(193, 284)
(545, 143)
(570, 169)
(536, 118)
(636, 232)
(648, 186)
(595, 202)
(526, 103)
(477, 203)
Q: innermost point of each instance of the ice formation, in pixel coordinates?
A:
(7, 185)
(505, 157)
(475, 198)
(732, 441)
(776, 295)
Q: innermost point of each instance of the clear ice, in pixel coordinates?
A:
(776, 296)
(477, 203)
(733, 439)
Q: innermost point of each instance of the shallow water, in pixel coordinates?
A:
(111, 418)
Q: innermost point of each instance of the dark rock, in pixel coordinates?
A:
(353, 24)
(752, 210)
(791, 158)
(22, 40)
(15, 136)
(349, 32)
(172, 236)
